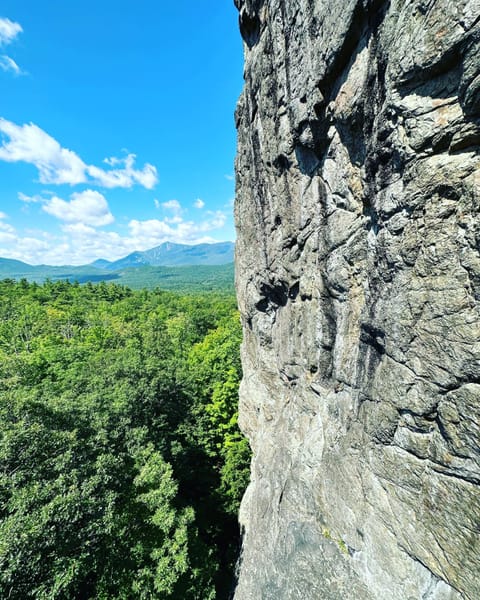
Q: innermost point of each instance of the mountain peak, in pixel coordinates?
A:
(171, 254)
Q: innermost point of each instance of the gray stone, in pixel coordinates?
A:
(358, 279)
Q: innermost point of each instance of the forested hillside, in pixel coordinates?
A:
(121, 465)
(183, 279)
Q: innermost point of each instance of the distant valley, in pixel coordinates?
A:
(179, 267)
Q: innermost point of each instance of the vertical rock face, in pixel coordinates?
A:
(358, 277)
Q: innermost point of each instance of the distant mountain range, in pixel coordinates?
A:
(173, 255)
(169, 266)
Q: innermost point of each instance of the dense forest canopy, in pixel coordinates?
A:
(121, 464)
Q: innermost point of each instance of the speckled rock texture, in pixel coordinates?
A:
(358, 278)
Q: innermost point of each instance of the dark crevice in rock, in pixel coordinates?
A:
(466, 140)
(293, 291)
(262, 305)
(307, 159)
(371, 350)
(273, 295)
(289, 243)
(250, 27)
(281, 163)
(447, 191)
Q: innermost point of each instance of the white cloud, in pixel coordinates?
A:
(152, 228)
(112, 161)
(32, 244)
(156, 202)
(5, 228)
(80, 239)
(199, 203)
(173, 205)
(26, 249)
(174, 220)
(230, 177)
(8, 31)
(7, 238)
(8, 64)
(79, 229)
(7, 232)
(125, 177)
(86, 208)
(85, 243)
(28, 143)
(35, 198)
(153, 232)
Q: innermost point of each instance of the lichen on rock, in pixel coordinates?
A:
(358, 279)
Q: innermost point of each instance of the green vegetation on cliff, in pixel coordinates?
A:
(121, 464)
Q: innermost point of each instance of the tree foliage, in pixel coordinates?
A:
(121, 463)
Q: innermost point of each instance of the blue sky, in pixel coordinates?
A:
(116, 126)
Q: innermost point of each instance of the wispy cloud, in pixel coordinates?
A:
(124, 177)
(230, 177)
(5, 228)
(173, 205)
(199, 203)
(8, 64)
(9, 30)
(30, 199)
(86, 208)
(57, 165)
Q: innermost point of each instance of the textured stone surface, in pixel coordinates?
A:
(358, 276)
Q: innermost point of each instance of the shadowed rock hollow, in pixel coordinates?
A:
(358, 277)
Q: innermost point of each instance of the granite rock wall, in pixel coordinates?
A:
(358, 278)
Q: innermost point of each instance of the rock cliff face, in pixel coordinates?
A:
(358, 276)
